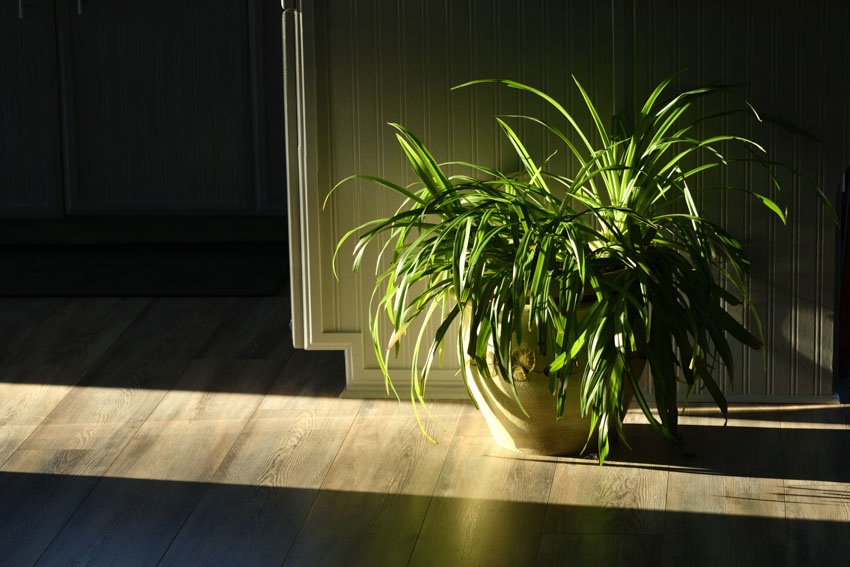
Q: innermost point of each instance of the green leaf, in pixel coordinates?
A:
(626, 228)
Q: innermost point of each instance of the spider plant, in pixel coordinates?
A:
(622, 238)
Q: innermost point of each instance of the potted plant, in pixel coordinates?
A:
(567, 284)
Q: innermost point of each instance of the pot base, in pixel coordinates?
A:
(539, 433)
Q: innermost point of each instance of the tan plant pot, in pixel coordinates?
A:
(541, 433)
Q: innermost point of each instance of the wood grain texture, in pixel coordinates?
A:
(622, 497)
(35, 505)
(599, 550)
(185, 439)
(72, 339)
(376, 493)
(41, 371)
(310, 380)
(816, 467)
(57, 468)
(254, 328)
(729, 493)
(263, 490)
(472, 423)
(149, 356)
(488, 507)
(24, 406)
(157, 455)
(90, 426)
(19, 318)
(127, 383)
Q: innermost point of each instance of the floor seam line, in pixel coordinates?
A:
(321, 485)
(215, 472)
(431, 499)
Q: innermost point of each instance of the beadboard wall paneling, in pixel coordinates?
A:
(363, 63)
(367, 63)
(790, 62)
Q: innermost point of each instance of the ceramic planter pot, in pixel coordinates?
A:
(541, 433)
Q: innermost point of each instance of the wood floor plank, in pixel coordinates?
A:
(43, 486)
(488, 507)
(309, 379)
(599, 550)
(91, 425)
(23, 407)
(816, 466)
(35, 506)
(183, 443)
(194, 426)
(20, 317)
(52, 359)
(253, 328)
(73, 338)
(131, 378)
(189, 427)
(166, 336)
(267, 483)
(46, 480)
(374, 498)
(729, 493)
(625, 496)
(472, 423)
(128, 381)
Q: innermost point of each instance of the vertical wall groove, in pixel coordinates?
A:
(356, 126)
(795, 234)
(724, 175)
(819, 299)
(449, 107)
(748, 235)
(771, 377)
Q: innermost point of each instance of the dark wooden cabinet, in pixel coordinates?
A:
(140, 108)
(30, 144)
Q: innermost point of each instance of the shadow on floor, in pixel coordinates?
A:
(145, 270)
(65, 520)
(802, 412)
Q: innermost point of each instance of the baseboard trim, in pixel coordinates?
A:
(458, 392)
(437, 392)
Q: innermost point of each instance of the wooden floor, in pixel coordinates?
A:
(189, 432)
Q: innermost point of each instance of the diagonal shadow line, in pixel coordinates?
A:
(131, 522)
(815, 413)
(781, 499)
(752, 452)
(310, 375)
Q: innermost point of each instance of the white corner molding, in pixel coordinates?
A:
(305, 190)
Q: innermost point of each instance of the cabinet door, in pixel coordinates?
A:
(30, 150)
(160, 106)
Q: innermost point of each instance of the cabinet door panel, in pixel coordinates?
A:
(270, 120)
(30, 150)
(160, 93)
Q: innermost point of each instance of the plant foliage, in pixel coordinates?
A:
(624, 232)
